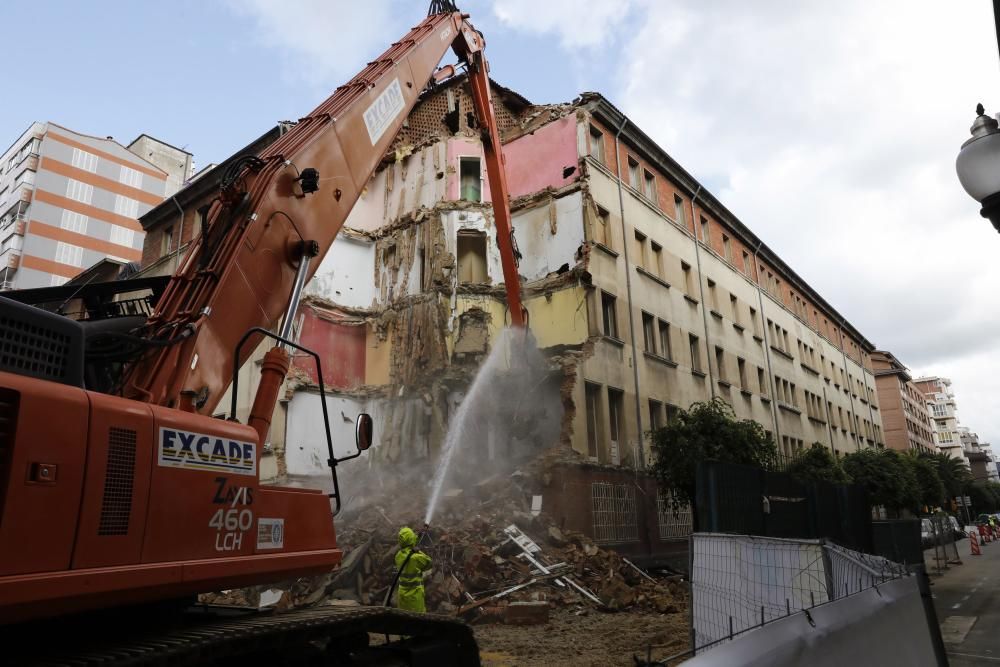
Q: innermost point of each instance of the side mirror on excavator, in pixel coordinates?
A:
(364, 432)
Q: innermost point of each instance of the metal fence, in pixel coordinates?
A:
(742, 582)
(943, 550)
(752, 501)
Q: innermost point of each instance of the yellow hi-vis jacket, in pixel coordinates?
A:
(411, 580)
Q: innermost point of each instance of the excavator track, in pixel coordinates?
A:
(315, 636)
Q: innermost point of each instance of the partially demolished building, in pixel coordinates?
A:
(645, 294)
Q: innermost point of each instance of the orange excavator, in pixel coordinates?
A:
(118, 487)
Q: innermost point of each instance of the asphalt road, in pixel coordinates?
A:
(967, 600)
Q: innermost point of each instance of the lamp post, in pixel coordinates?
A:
(978, 165)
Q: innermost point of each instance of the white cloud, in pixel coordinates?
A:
(831, 130)
(324, 42)
(575, 26)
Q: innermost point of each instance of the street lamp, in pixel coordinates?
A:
(978, 165)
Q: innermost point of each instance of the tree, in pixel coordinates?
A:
(955, 477)
(816, 464)
(929, 487)
(705, 432)
(889, 479)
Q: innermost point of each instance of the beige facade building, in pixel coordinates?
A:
(905, 416)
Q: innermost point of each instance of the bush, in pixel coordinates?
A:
(816, 464)
(890, 481)
(705, 432)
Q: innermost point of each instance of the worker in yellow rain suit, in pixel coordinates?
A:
(412, 563)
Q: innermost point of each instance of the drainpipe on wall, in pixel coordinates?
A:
(628, 298)
(767, 347)
(701, 293)
(847, 381)
(180, 234)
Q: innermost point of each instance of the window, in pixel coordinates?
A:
(122, 236)
(640, 249)
(720, 364)
(678, 210)
(704, 231)
(940, 410)
(472, 256)
(602, 232)
(130, 177)
(56, 281)
(656, 259)
(655, 415)
(649, 333)
(633, 172)
(713, 297)
(69, 254)
(609, 315)
(741, 366)
(126, 207)
(84, 160)
(74, 222)
(81, 192)
(597, 144)
(688, 283)
(754, 323)
(616, 414)
(673, 412)
(593, 395)
(727, 249)
(695, 351)
(166, 240)
(746, 262)
(761, 381)
(649, 185)
(734, 306)
(665, 350)
(470, 179)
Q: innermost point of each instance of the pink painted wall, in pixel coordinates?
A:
(341, 349)
(534, 161)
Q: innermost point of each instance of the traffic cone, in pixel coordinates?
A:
(974, 544)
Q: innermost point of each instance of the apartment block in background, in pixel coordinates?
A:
(905, 416)
(67, 201)
(940, 400)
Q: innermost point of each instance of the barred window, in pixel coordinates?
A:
(614, 513)
(672, 526)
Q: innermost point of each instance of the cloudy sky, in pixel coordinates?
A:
(830, 128)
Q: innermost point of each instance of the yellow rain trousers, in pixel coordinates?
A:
(411, 581)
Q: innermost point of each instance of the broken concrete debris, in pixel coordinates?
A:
(485, 569)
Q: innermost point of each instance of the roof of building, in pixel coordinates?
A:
(896, 367)
(613, 117)
(159, 141)
(112, 140)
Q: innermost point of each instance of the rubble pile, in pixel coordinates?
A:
(489, 551)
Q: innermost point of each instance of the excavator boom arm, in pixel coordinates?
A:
(287, 205)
